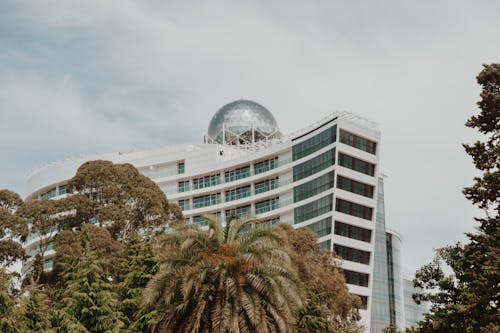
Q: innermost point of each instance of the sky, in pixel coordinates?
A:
(81, 77)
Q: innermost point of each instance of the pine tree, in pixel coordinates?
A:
(468, 300)
(9, 316)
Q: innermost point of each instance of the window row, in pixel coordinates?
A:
(315, 143)
(236, 174)
(350, 254)
(238, 212)
(356, 164)
(313, 187)
(353, 209)
(354, 186)
(356, 278)
(351, 231)
(323, 227)
(314, 165)
(238, 193)
(206, 181)
(266, 165)
(206, 200)
(357, 142)
(266, 185)
(313, 209)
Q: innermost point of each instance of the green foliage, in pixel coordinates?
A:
(468, 300)
(224, 279)
(9, 316)
(11, 226)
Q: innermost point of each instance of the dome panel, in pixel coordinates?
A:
(242, 122)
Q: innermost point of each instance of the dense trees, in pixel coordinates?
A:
(468, 300)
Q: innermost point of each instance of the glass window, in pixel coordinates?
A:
(266, 205)
(181, 167)
(313, 209)
(50, 194)
(238, 193)
(326, 245)
(183, 186)
(272, 221)
(266, 165)
(356, 278)
(184, 204)
(354, 186)
(356, 164)
(351, 231)
(236, 174)
(313, 187)
(266, 185)
(323, 227)
(353, 209)
(206, 181)
(200, 220)
(206, 200)
(314, 165)
(239, 212)
(348, 253)
(357, 142)
(315, 143)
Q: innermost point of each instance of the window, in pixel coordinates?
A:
(238, 193)
(348, 253)
(183, 186)
(200, 220)
(266, 185)
(181, 167)
(357, 142)
(313, 209)
(236, 174)
(206, 200)
(62, 189)
(50, 194)
(326, 245)
(206, 181)
(313, 187)
(271, 221)
(356, 164)
(354, 186)
(238, 212)
(315, 143)
(350, 231)
(265, 165)
(266, 205)
(184, 204)
(314, 165)
(353, 209)
(356, 278)
(322, 227)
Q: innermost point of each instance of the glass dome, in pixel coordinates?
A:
(242, 122)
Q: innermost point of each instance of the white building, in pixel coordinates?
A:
(323, 177)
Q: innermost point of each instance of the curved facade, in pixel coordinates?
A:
(324, 178)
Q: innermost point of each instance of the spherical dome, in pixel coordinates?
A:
(242, 122)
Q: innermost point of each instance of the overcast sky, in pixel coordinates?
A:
(79, 77)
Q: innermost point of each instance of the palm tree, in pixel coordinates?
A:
(232, 278)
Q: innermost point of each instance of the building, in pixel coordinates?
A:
(413, 312)
(324, 177)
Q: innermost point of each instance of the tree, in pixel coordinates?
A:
(9, 316)
(236, 278)
(11, 227)
(123, 200)
(88, 302)
(329, 306)
(468, 300)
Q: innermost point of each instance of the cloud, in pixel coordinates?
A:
(88, 76)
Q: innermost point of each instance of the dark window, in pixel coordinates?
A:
(356, 164)
(313, 187)
(356, 278)
(313, 209)
(354, 186)
(323, 227)
(353, 209)
(315, 143)
(183, 186)
(357, 142)
(314, 165)
(266, 165)
(347, 230)
(348, 253)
